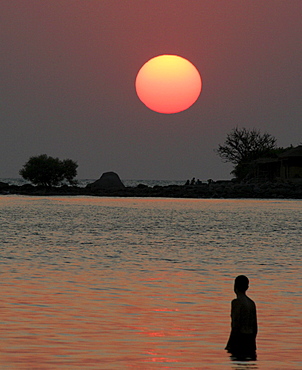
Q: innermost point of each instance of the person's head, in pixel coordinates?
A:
(241, 284)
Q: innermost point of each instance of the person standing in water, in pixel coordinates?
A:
(242, 340)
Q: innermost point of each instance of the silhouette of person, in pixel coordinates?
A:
(242, 341)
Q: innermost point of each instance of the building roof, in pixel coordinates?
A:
(265, 160)
(293, 152)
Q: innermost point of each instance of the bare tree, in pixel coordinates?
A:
(242, 146)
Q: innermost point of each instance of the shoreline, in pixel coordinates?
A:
(219, 189)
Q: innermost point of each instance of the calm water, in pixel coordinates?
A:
(113, 283)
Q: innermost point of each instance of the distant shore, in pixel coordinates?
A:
(218, 189)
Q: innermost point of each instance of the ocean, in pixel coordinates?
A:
(146, 283)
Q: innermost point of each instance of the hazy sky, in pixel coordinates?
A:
(68, 67)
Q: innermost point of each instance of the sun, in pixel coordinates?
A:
(168, 84)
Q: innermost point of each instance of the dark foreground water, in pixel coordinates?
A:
(113, 283)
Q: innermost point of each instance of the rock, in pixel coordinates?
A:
(4, 185)
(108, 181)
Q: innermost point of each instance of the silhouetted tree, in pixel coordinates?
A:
(49, 171)
(242, 146)
(69, 170)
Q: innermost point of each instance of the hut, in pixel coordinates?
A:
(285, 166)
(291, 163)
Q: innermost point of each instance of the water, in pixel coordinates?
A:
(114, 283)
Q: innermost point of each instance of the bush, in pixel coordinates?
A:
(49, 171)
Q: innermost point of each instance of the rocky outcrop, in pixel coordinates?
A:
(4, 187)
(108, 181)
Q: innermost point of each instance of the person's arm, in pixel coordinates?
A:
(255, 329)
(235, 315)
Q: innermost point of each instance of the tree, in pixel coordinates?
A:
(49, 171)
(69, 171)
(243, 146)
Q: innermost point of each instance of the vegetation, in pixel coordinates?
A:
(243, 146)
(49, 171)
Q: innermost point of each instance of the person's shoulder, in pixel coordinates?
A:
(235, 302)
(251, 301)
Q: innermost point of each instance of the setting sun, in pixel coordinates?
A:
(168, 84)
